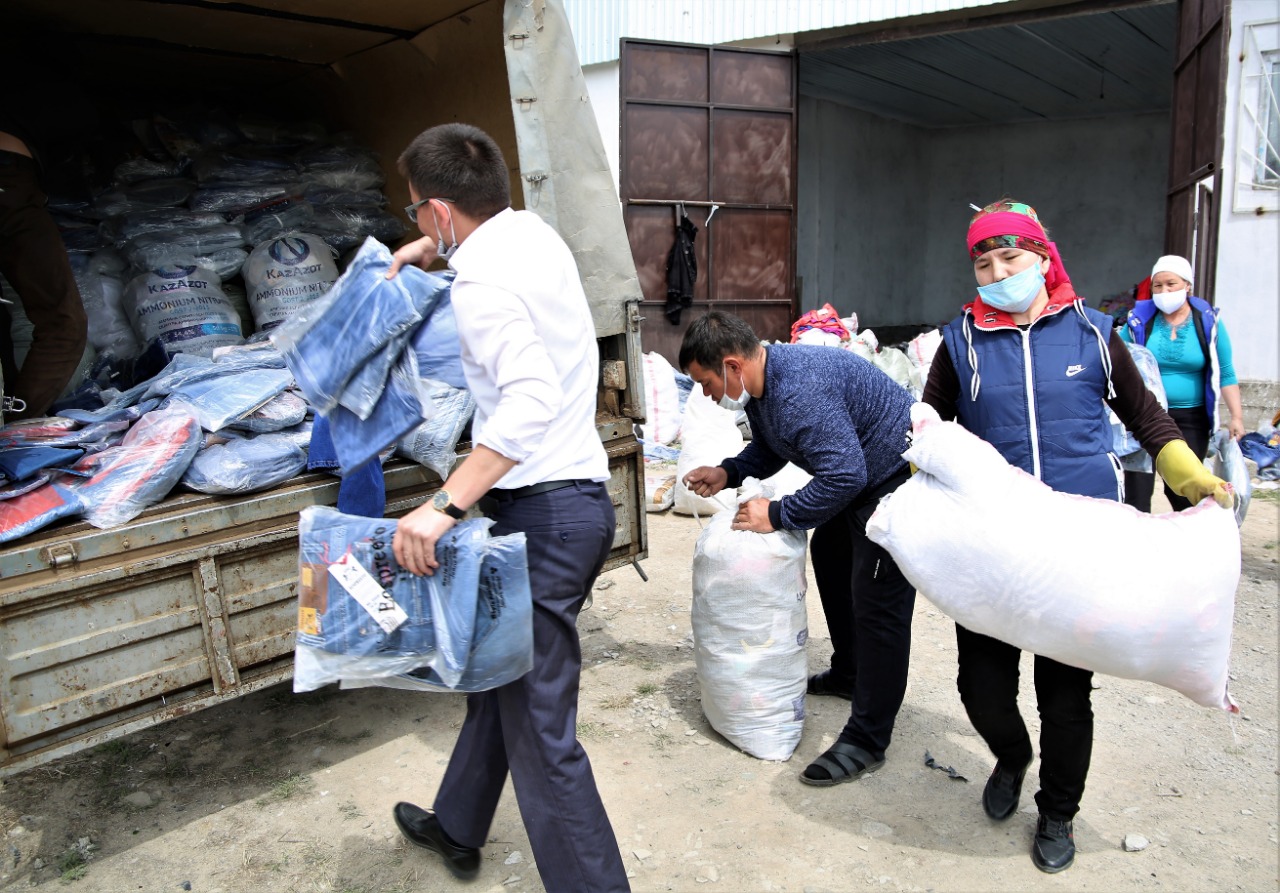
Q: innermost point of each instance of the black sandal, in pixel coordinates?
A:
(840, 763)
(828, 683)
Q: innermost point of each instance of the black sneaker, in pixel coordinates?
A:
(422, 828)
(1054, 846)
(1004, 787)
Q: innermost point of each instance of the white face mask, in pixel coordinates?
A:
(441, 250)
(1170, 301)
(729, 403)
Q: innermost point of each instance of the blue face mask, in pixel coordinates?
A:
(1015, 294)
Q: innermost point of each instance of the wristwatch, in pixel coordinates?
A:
(443, 502)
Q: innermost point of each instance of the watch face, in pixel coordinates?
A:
(440, 500)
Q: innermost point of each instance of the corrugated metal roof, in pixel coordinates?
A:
(598, 25)
(1081, 66)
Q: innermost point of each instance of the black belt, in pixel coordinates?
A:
(532, 489)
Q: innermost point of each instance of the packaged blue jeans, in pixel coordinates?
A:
(502, 643)
(360, 615)
(331, 340)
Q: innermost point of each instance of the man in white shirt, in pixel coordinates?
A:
(530, 358)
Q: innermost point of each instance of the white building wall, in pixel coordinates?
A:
(1248, 272)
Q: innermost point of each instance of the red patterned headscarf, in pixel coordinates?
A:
(1010, 224)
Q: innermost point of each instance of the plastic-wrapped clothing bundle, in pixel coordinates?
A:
(244, 465)
(502, 641)
(750, 626)
(14, 489)
(51, 436)
(136, 169)
(144, 195)
(329, 196)
(242, 165)
(38, 508)
(404, 403)
(285, 410)
(102, 295)
(360, 615)
(346, 227)
(436, 342)
(21, 463)
(168, 221)
(341, 167)
(1001, 553)
(1226, 461)
(434, 443)
(237, 199)
(216, 401)
(203, 241)
(139, 472)
(285, 274)
(111, 411)
(183, 307)
(1132, 456)
(274, 219)
(330, 341)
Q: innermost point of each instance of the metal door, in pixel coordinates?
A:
(1195, 169)
(713, 129)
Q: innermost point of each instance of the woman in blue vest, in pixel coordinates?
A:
(1027, 367)
(1193, 352)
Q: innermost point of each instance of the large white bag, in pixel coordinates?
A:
(661, 400)
(749, 630)
(709, 436)
(1006, 556)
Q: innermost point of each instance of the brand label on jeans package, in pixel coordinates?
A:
(357, 581)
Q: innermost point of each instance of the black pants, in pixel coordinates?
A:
(1139, 485)
(33, 259)
(988, 683)
(528, 728)
(869, 604)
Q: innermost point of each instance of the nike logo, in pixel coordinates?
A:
(1074, 370)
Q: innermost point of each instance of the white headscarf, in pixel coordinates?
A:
(1171, 263)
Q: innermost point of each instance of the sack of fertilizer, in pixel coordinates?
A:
(286, 274)
(750, 626)
(182, 306)
(1006, 556)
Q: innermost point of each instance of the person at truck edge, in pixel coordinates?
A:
(845, 422)
(1193, 351)
(1030, 369)
(34, 261)
(531, 361)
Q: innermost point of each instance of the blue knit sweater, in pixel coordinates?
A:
(833, 414)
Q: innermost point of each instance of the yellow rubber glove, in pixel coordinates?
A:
(1187, 476)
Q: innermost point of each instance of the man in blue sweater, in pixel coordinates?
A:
(845, 422)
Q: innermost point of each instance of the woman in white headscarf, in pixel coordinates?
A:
(1192, 348)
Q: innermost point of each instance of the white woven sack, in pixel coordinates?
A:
(749, 631)
(661, 400)
(708, 436)
(1004, 555)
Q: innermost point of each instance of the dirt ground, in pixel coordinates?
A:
(284, 792)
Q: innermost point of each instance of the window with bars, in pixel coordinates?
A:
(1257, 113)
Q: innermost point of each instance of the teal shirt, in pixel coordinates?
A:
(1182, 360)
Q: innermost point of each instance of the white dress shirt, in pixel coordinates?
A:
(528, 350)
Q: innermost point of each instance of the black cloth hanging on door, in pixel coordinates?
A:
(682, 270)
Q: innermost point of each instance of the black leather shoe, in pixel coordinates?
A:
(1054, 847)
(422, 828)
(1004, 787)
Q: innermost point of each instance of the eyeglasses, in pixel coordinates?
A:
(411, 211)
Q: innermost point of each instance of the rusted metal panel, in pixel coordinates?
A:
(667, 155)
(754, 158)
(752, 251)
(753, 79)
(666, 73)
